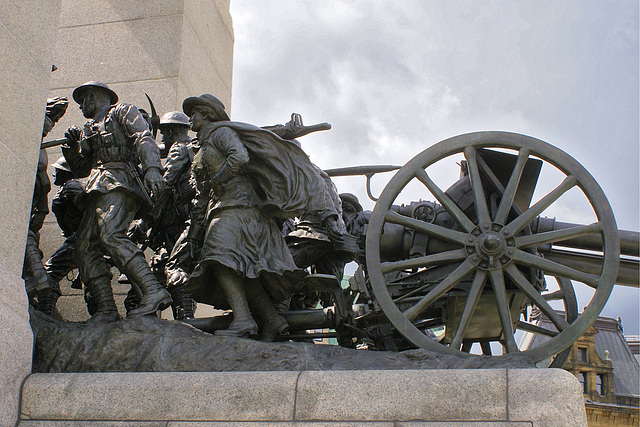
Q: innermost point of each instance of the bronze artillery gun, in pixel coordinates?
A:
(481, 262)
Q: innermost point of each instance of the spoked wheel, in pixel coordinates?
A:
(493, 255)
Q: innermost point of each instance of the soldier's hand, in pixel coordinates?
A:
(293, 126)
(153, 181)
(333, 232)
(73, 135)
(138, 233)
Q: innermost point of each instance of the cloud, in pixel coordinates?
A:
(394, 78)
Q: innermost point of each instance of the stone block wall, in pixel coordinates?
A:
(27, 29)
(437, 398)
(169, 49)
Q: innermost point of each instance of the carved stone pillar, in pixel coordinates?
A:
(27, 29)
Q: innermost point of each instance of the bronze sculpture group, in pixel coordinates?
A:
(213, 213)
(218, 216)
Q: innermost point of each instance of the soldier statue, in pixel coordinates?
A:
(42, 292)
(68, 217)
(172, 209)
(118, 153)
(248, 181)
(313, 237)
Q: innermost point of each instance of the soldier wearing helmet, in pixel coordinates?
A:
(42, 293)
(173, 208)
(117, 151)
(174, 127)
(68, 216)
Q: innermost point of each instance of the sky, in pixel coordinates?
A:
(394, 78)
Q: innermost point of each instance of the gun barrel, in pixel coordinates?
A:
(361, 170)
(628, 272)
(54, 143)
(629, 240)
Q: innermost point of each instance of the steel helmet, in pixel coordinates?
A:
(62, 164)
(174, 118)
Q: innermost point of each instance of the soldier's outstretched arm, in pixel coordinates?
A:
(78, 157)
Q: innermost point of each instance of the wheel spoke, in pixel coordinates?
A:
(469, 308)
(425, 227)
(557, 235)
(497, 282)
(554, 268)
(529, 215)
(424, 261)
(569, 297)
(449, 282)
(509, 194)
(554, 296)
(527, 288)
(412, 293)
(530, 327)
(447, 203)
(479, 197)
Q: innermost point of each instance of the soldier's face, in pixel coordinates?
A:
(57, 178)
(197, 120)
(167, 136)
(88, 105)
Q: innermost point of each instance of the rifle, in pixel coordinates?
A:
(295, 128)
(54, 143)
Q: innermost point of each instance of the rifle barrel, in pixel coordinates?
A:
(54, 143)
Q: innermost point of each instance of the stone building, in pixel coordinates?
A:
(634, 345)
(608, 372)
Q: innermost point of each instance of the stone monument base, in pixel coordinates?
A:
(452, 397)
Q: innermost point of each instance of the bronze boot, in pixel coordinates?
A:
(183, 306)
(272, 323)
(154, 297)
(233, 287)
(102, 296)
(47, 301)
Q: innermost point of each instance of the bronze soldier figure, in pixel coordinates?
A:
(248, 181)
(173, 209)
(42, 292)
(115, 139)
(313, 237)
(68, 216)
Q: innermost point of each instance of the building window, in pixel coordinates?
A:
(582, 354)
(582, 377)
(600, 384)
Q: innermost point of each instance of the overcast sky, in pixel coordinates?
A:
(394, 78)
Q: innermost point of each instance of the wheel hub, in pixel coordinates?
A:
(488, 248)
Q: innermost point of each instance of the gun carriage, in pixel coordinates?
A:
(478, 264)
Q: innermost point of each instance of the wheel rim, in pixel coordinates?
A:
(492, 248)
